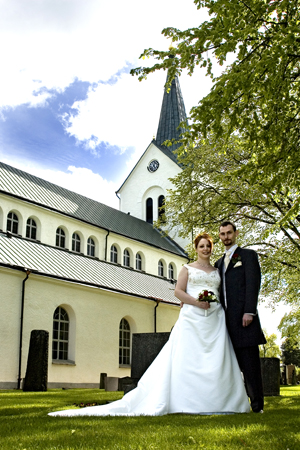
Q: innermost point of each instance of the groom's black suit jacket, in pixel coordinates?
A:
(242, 282)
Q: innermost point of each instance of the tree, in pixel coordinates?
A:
(240, 155)
(270, 349)
(206, 192)
(257, 96)
(290, 326)
(290, 353)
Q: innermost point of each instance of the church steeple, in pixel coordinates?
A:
(143, 192)
(171, 115)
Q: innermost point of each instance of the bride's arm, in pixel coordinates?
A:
(180, 291)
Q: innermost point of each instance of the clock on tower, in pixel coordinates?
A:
(153, 165)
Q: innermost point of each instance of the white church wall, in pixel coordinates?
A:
(48, 222)
(132, 193)
(151, 255)
(10, 312)
(94, 316)
(153, 192)
(142, 184)
(38, 224)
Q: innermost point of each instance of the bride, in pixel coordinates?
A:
(196, 372)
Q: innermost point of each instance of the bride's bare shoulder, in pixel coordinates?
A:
(193, 264)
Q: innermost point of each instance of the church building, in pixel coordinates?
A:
(87, 273)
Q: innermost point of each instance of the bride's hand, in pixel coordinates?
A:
(204, 305)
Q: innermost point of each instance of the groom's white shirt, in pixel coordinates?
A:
(230, 251)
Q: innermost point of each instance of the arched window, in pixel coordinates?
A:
(124, 342)
(76, 243)
(90, 247)
(12, 223)
(171, 272)
(149, 210)
(113, 254)
(161, 206)
(31, 229)
(60, 238)
(160, 269)
(126, 258)
(138, 262)
(60, 339)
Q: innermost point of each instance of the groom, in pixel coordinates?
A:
(240, 273)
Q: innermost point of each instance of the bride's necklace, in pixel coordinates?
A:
(203, 265)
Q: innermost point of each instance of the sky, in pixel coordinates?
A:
(70, 112)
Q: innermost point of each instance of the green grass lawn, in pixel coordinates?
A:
(24, 424)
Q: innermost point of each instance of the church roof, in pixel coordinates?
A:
(171, 115)
(21, 254)
(37, 191)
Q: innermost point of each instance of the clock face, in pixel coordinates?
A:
(153, 165)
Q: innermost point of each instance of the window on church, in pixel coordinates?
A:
(76, 243)
(124, 343)
(113, 254)
(12, 223)
(60, 339)
(138, 262)
(160, 269)
(90, 247)
(31, 229)
(126, 258)
(171, 272)
(161, 207)
(149, 210)
(60, 238)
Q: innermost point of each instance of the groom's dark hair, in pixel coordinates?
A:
(226, 223)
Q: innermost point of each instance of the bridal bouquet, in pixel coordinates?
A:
(207, 296)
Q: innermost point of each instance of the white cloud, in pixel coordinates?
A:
(50, 43)
(39, 100)
(126, 114)
(42, 15)
(86, 182)
(77, 179)
(56, 41)
(121, 114)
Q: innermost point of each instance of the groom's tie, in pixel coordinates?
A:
(226, 260)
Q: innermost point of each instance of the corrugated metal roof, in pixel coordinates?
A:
(50, 261)
(38, 191)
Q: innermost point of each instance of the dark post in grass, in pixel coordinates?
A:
(145, 348)
(103, 377)
(36, 377)
(270, 370)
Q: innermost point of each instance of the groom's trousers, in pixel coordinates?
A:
(249, 362)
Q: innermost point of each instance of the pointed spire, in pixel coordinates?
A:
(172, 113)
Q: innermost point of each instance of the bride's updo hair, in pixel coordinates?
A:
(203, 236)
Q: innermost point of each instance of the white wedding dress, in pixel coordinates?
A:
(196, 372)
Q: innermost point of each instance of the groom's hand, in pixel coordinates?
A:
(247, 319)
